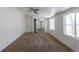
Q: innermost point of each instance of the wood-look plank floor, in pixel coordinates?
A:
(39, 42)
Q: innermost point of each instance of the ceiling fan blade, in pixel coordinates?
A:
(35, 12)
(36, 9)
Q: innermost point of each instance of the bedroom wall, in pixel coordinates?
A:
(58, 33)
(29, 24)
(12, 25)
(38, 24)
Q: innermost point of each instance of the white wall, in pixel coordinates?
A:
(29, 24)
(71, 42)
(38, 24)
(12, 25)
(44, 25)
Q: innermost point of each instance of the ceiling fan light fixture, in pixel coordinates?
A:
(33, 10)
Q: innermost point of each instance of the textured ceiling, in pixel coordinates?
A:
(44, 12)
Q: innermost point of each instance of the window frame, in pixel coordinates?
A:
(64, 24)
(52, 24)
(75, 27)
(76, 23)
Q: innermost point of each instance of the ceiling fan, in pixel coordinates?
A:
(35, 10)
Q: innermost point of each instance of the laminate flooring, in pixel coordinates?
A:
(39, 42)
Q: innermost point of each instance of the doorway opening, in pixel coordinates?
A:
(38, 26)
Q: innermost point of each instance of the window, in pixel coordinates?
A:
(69, 24)
(52, 24)
(72, 24)
(77, 24)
